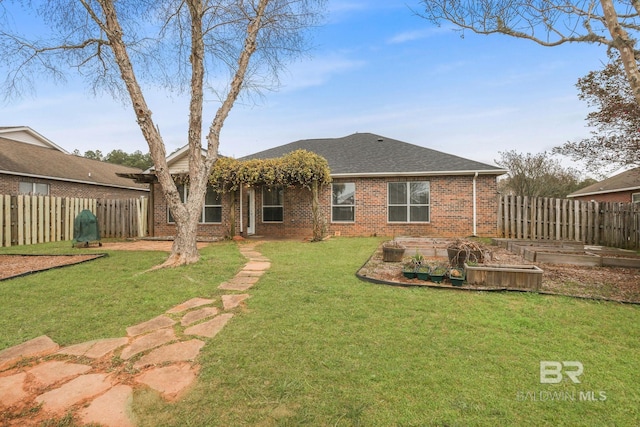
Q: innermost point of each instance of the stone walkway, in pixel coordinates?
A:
(95, 380)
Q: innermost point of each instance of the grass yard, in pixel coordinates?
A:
(101, 298)
(317, 346)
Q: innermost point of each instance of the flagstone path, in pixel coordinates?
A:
(94, 380)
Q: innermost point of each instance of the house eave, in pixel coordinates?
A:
(496, 172)
(76, 181)
(596, 193)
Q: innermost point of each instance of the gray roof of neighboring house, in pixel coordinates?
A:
(23, 159)
(367, 154)
(625, 181)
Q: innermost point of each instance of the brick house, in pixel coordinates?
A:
(32, 164)
(381, 186)
(623, 187)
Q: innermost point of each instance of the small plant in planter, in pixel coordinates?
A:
(409, 270)
(423, 272)
(392, 251)
(412, 266)
(417, 259)
(456, 276)
(438, 273)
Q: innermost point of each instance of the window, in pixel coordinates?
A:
(635, 198)
(272, 207)
(343, 202)
(212, 210)
(33, 188)
(408, 201)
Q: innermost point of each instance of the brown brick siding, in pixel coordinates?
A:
(163, 228)
(10, 184)
(451, 211)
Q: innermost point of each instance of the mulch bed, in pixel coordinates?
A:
(602, 283)
(19, 265)
(12, 266)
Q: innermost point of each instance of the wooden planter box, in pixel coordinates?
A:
(392, 254)
(525, 277)
(567, 257)
(612, 257)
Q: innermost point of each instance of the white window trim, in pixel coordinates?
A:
(344, 206)
(408, 204)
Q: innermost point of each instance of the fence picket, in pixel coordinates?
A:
(26, 219)
(593, 223)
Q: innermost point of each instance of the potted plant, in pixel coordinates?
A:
(423, 272)
(437, 273)
(392, 251)
(409, 270)
(456, 276)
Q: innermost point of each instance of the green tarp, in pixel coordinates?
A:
(85, 227)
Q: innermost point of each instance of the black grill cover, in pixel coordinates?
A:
(86, 227)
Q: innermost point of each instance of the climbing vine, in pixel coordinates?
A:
(298, 168)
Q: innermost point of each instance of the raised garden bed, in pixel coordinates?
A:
(571, 253)
(562, 256)
(513, 276)
(612, 257)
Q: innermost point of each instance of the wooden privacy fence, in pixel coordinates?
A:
(26, 220)
(592, 223)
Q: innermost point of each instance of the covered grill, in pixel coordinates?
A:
(86, 229)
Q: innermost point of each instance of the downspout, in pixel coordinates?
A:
(475, 206)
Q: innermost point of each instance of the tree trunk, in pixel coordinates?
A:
(318, 229)
(624, 44)
(184, 249)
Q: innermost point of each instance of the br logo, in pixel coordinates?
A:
(552, 372)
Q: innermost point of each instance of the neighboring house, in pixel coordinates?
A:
(623, 187)
(380, 186)
(32, 164)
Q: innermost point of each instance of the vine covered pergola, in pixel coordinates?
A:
(298, 168)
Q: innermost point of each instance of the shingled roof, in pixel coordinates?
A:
(367, 154)
(23, 159)
(625, 181)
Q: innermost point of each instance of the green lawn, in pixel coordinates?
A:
(317, 346)
(101, 298)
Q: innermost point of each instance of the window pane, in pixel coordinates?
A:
(397, 214)
(344, 194)
(343, 214)
(397, 193)
(42, 189)
(213, 214)
(25, 187)
(419, 193)
(272, 196)
(419, 214)
(182, 191)
(212, 197)
(272, 214)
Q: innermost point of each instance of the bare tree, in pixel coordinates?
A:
(538, 175)
(551, 23)
(614, 119)
(182, 44)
